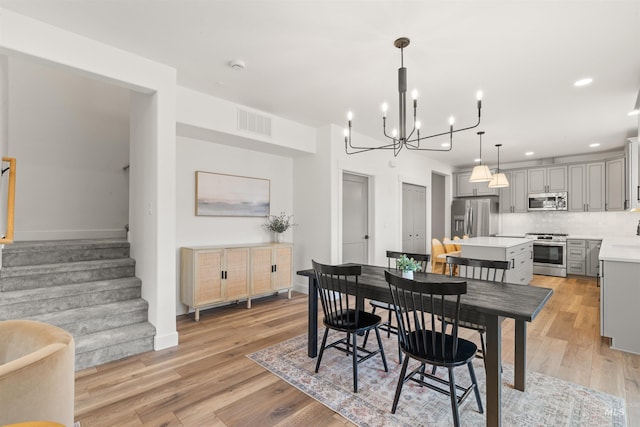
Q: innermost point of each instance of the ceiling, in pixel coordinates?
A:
(312, 61)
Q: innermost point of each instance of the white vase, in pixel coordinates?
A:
(408, 274)
(278, 237)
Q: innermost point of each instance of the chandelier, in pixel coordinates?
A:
(399, 138)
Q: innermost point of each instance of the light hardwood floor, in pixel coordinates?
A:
(207, 380)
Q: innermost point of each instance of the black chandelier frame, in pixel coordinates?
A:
(403, 140)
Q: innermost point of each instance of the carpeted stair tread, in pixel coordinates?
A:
(113, 344)
(88, 320)
(107, 338)
(26, 270)
(62, 251)
(54, 245)
(62, 291)
(46, 275)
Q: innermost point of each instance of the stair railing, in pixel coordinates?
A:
(11, 198)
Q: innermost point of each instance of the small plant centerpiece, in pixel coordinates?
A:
(278, 224)
(407, 266)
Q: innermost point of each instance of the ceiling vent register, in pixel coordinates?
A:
(254, 123)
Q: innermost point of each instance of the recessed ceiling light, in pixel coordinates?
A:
(633, 112)
(529, 153)
(583, 82)
(444, 145)
(595, 144)
(477, 160)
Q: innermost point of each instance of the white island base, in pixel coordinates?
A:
(516, 250)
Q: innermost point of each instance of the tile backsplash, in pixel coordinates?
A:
(588, 224)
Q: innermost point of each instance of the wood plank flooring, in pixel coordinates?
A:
(207, 380)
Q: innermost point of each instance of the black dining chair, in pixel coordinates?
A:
(487, 270)
(387, 325)
(417, 306)
(341, 314)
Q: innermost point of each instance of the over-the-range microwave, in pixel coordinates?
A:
(548, 201)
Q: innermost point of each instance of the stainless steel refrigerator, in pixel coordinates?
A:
(474, 216)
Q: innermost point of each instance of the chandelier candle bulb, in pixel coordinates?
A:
(385, 107)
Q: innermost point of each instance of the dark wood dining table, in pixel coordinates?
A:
(485, 303)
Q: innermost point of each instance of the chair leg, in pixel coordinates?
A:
(355, 362)
(389, 326)
(403, 372)
(384, 359)
(324, 342)
(484, 349)
(366, 334)
(454, 398)
(472, 374)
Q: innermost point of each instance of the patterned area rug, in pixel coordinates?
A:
(548, 401)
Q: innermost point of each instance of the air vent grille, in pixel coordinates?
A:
(255, 123)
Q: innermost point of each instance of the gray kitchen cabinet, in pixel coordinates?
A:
(586, 187)
(550, 179)
(576, 252)
(615, 185)
(514, 197)
(592, 263)
(464, 188)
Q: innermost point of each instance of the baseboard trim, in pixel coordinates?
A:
(165, 341)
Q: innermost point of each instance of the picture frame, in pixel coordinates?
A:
(231, 195)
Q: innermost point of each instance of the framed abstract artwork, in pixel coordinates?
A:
(230, 195)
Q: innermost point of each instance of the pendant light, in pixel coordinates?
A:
(499, 179)
(480, 173)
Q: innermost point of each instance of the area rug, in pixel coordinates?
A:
(547, 401)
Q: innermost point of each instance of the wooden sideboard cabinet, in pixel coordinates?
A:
(210, 275)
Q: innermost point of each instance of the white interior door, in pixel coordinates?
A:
(355, 218)
(414, 218)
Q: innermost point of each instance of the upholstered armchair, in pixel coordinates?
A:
(36, 373)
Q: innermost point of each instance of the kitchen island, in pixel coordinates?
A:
(620, 291)
(518, 251)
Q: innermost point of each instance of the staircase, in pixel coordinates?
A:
(87, 287)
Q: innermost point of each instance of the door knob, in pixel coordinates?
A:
(366, 236)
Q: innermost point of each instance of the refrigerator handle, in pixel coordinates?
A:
(470, 222)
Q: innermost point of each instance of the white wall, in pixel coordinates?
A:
(70, 136)
(4, 137)
(196, 155)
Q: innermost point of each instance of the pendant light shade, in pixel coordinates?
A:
(499, 179)
(480, 173)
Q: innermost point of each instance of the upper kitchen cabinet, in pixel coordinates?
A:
(615, 182)
(587, 187)
(464, 188)
(514, 197)
(550, 179)
(633, 170)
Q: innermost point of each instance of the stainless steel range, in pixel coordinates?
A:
(549, 253)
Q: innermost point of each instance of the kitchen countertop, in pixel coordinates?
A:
(496, 242)
(623, 249)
